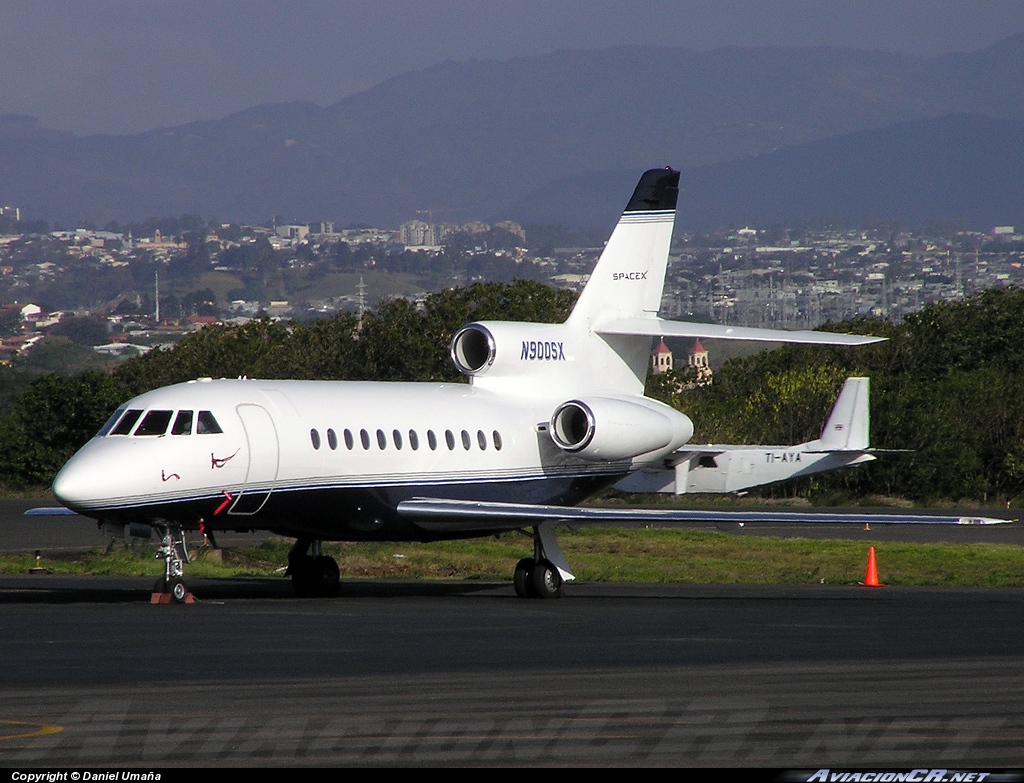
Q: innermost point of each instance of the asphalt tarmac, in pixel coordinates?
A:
(464, 673)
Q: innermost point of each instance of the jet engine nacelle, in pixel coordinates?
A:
(509, 349)
(611, 428)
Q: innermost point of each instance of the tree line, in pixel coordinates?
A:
(947, 385)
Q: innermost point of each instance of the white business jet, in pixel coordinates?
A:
(552, 414)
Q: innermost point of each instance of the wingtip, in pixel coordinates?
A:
(985, 521)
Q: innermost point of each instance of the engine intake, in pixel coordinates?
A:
(473, 349)
(606, 428)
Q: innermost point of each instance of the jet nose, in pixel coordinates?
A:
(74, 485)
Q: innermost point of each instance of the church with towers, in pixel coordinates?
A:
(662, 361)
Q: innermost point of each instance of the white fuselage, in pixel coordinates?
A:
(330, 459)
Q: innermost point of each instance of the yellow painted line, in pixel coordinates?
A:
(40, 730)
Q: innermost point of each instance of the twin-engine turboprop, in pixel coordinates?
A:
(552, 414)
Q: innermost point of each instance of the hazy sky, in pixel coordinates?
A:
(127, 65)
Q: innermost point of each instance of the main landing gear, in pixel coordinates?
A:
(544, 574)
(171, 587)
(313, 574)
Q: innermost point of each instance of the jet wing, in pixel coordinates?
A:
(437, 515)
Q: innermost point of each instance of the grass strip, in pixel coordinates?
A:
(597, 555)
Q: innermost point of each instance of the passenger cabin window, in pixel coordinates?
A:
(466, 440)
(497, 440)
(155, 423)
(432, 440)
(182, 423)
(481, 439)
(332, 440)
(414, 440)
(349, 442)
(207, 425)
(125, 425)
(449, 438)
(382, 440)
(364, 438)
(110, 423)
(314, 436)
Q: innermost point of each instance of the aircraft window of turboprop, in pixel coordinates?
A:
(481, 439)
(182, 423)
(396, 436)
(332, 439)
(466, 440)
(110, 423)
(315, 437)
(364, 438)
(382, 440)
(449, 438)
(496, 436)
(207, 425)
(414, 440)
(349, 442)
(431, 440)
(155, 423)
(125, 425)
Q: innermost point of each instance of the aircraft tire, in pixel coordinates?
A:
(302, 576)
(176, 587)
(325, 576)
(521, 579)
(546, 581)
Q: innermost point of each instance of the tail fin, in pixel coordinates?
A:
(848, 425)
(630, 274)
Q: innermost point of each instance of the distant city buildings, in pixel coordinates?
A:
(779, 278)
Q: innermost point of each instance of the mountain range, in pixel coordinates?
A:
(762, 134)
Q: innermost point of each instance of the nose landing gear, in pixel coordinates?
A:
(171, 587)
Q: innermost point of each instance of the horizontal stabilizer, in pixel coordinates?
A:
(439, 515)
(659, 327)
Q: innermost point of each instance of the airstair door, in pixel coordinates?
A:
(264, 455)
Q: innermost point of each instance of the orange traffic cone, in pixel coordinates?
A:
(871, 575)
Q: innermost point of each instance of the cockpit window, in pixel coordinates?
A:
(110, 423)
(207, 425)
(182, 423)
(155, 423)
(125, 425)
